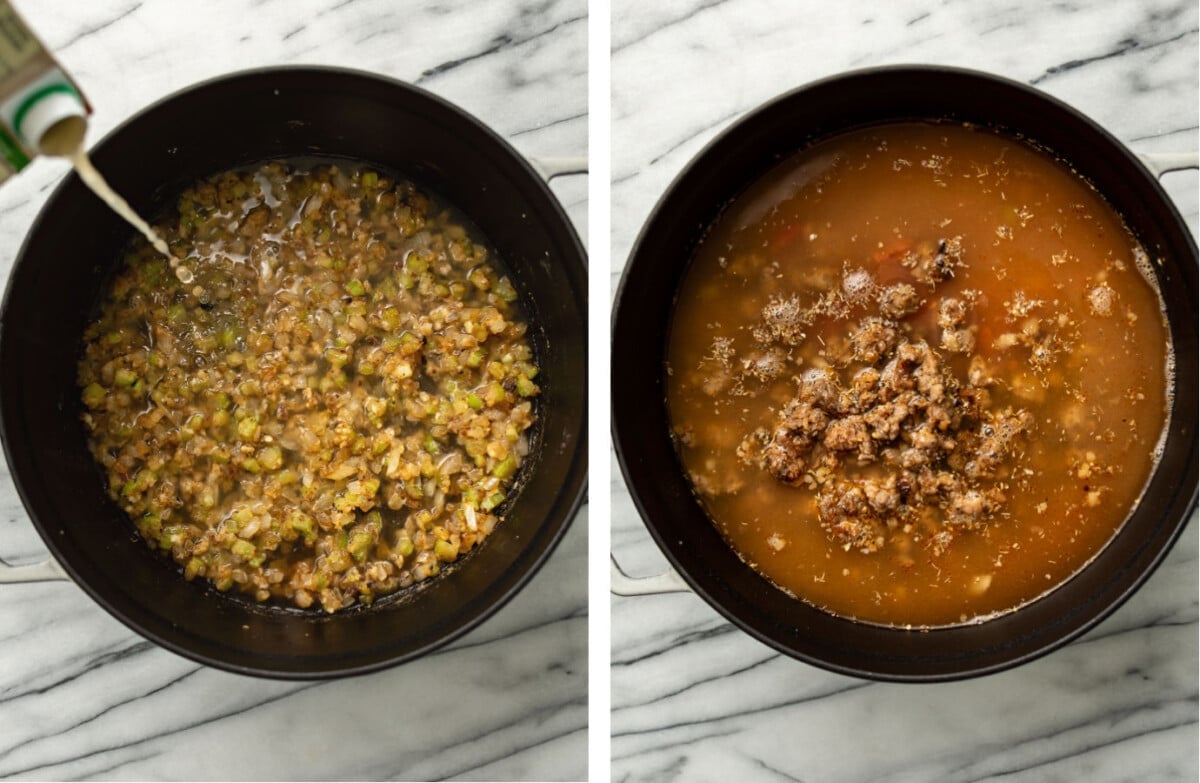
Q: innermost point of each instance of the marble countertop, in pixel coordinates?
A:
(693, 698)
(81, 696)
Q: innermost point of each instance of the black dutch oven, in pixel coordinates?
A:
(641, 320)
(75, 245)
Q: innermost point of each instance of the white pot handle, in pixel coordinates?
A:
(667, 582)
(46, 571)
(550, 168)
(1160, 163)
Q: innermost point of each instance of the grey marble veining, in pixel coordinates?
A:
(83, 697)
(693, 698)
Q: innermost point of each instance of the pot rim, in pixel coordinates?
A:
(623, 449)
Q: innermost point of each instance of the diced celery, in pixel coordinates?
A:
(445, 551)
(391, 318)
(125, 377)
(302, 524)
(526, 387)
(271, 457)
(150, 525)
(193, 568)
(359, 544)
(247, 428)
(506, 467)
(338, 560)
(416, 264)
(243, 549)
(337, 356)
(505, 291)
(94, 395)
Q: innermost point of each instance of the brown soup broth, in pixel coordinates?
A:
(1062, 322)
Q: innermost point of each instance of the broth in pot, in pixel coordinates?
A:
(918, 374)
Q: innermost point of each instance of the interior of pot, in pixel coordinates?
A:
(641, 321)
(77, 242)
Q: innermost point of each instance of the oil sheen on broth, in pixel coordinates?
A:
(917, 374)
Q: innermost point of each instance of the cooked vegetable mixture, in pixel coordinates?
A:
(333, 409)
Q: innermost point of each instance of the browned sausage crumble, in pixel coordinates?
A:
(888, 399)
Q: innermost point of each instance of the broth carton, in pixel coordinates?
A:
(42, 110)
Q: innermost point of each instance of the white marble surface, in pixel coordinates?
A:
(693, 698)
(83, 697)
